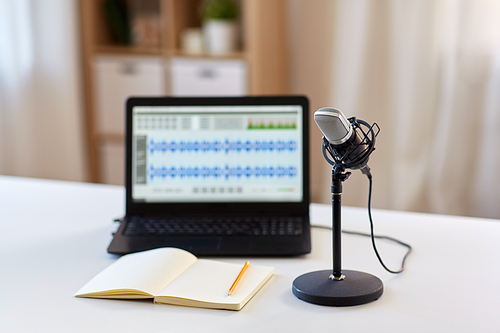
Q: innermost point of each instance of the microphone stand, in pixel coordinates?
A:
(337, 287)
(337, 179)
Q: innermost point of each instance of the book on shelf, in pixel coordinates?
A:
(174, 276)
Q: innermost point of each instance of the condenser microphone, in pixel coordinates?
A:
(346, 144)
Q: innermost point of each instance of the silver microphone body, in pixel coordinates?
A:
(341, 135)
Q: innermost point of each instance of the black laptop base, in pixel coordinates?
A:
(216, 245)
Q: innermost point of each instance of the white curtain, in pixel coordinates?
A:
(428, 72)
(41, 123)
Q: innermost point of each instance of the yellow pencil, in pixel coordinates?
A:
(238, 278)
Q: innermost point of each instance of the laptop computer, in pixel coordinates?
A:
(217, 176)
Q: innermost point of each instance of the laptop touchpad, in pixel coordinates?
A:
(194, 243)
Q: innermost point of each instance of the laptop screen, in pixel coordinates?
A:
(210, 153)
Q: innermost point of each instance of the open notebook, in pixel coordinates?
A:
(175, 276)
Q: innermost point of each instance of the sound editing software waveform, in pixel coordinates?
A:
(216, 146)
(171, 160)
(214, 156)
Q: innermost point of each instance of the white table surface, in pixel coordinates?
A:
(54, 237)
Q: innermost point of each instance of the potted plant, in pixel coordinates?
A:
(220, 29)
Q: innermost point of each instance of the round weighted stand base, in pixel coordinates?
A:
(357, 288)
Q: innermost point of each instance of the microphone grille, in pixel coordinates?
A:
(334, 125)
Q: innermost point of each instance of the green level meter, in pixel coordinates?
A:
(272, 126)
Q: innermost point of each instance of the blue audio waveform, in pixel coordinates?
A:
(216, 146)
(226, 172)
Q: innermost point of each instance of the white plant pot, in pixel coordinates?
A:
(220, 36)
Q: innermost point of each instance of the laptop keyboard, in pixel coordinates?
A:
(265, 226)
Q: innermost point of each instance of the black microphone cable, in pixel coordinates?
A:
(368, 174)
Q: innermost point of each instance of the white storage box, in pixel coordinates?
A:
(201, 77)
(116, 79)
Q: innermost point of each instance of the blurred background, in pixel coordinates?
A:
(427, 71)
